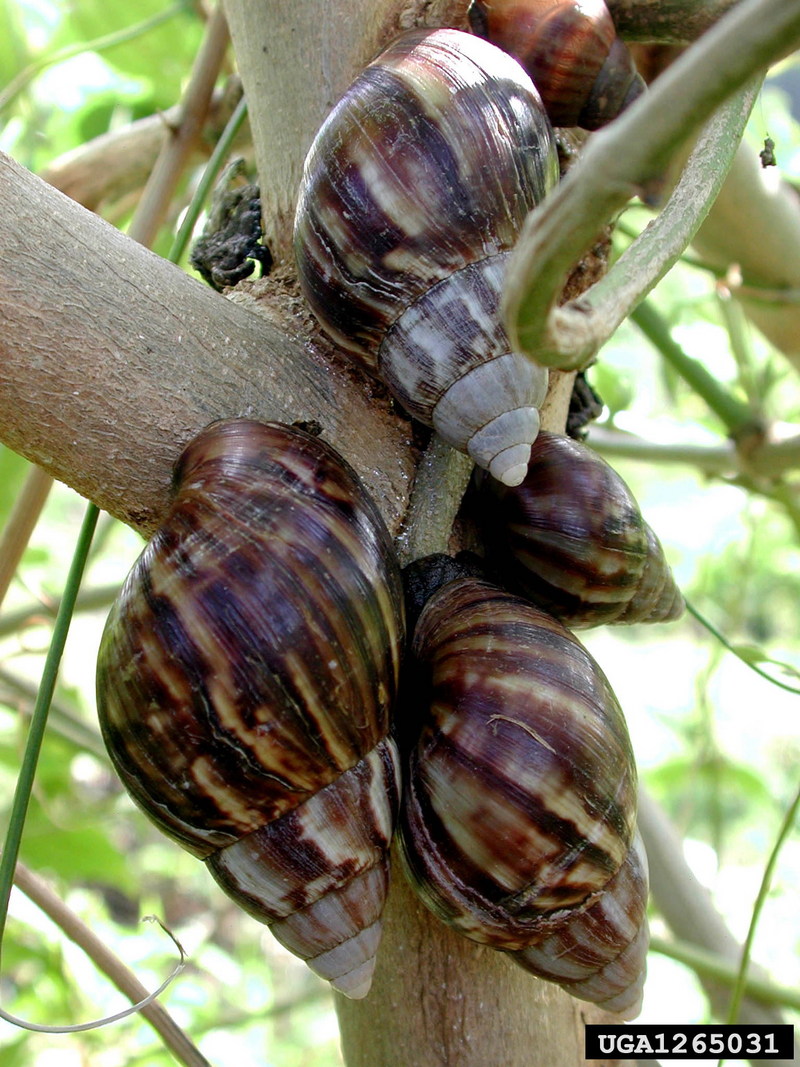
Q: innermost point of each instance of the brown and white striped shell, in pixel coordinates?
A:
(585, 74)
(413, 194)
(518, 819)
(245, 681)
(571, 538)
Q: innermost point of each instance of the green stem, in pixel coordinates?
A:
(19, 808)
(741, 978)
(210, 173)
(43, 614)
(735, 415)
(732, 648)
(711, 965)
(626, 155)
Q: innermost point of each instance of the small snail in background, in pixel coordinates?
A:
(571, 538)
(413, 194)
(585, 74)
(518, 818)
(245, 681)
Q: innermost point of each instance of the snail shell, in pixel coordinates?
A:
(413, 194)
(519, 808)
(585, 74)
(572, 539)
(245, 680)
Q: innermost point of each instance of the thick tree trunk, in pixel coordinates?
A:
(112, 359)
(437, 999)
(296, 58)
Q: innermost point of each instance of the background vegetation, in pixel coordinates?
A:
(716, 744)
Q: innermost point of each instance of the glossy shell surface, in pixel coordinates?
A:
(572, 539)
(247, 673)
(413, 194)
(520, 723)
(519, 807)
(585, 74)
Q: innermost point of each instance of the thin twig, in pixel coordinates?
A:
(116, 164)
(593, 192)
(736, 416)
(144, 226)
(45, 612)
(723, 970)
(21, 524)
(109, 964)
(210, 172)
(171, 162)
(769, 460)
(38, 724)
(20, 694)
(128, 33)
(440, 483)
(758, 906)
(688, 911)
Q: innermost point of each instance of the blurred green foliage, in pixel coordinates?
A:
(718, 746)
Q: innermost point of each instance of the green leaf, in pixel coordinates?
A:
(17, 1053)
(753, 655)
(162, 56)
(714, 783)
(84, 855)
(14, 54)
(614, 387)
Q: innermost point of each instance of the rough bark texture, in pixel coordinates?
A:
(437, 999)
(111, 359)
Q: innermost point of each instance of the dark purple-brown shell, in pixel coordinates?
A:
(571, 538)
(519, 805)
(585, 74)
(413, 194)
(245, 682)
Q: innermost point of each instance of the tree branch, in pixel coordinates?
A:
(113, 359)
(628, 153)
(765, 254)
(154, 204)
(328, 44)
(110, 168)
(666, 21)
(687, 909)
(162, 1022)
(769, 459)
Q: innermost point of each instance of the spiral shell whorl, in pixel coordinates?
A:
(520, 793)
(599, 952)
(322, 867)
(422, 173)
(571, 538)
(487, 405)
(248, 668)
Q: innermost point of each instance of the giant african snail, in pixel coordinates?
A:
(245, 681)
(584, 72)
(518, 817)
(413, 194)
